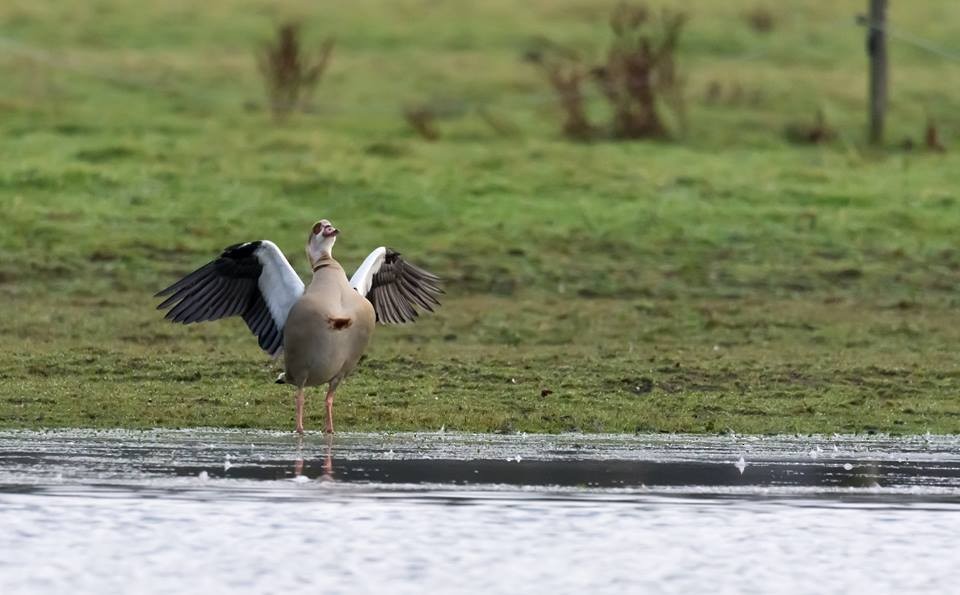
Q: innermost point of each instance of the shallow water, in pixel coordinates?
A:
(216, 511)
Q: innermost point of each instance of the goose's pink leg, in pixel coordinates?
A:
(300, 399)
(330, 410)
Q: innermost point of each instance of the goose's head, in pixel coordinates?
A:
(321, 240)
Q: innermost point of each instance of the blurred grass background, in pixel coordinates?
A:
(724, 280)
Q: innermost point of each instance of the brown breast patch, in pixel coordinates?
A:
(338, 324)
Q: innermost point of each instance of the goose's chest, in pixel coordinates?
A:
(332, 309)
(325, 337)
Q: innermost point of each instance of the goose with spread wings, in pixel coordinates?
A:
(323, 328)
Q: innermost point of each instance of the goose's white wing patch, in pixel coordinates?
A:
(362, 279)
(280, 285)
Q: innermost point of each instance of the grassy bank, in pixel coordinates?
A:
(725, 281)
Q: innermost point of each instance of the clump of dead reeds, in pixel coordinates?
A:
(931, 140)
(817, 132)
(731, 93)
(760, 19)
(931, 137)
(638, 76)
(423, 116)
(566, 75)
(290, 74)
(641, 71)
(423, 120)
(497, 122)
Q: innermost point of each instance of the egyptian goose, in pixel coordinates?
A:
(322, 329)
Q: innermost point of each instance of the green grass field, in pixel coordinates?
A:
(724, 281)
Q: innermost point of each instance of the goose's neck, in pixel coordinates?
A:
(320, 249)
(325, 259)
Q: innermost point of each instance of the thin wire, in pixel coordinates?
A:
(590, 93)
(464, 104)
(457, 104)
(48, 59)
(925, 45)
(764, 52)
(914, 40)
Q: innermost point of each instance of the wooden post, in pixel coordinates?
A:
(877, 51)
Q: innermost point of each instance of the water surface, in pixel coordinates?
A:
(257, 512)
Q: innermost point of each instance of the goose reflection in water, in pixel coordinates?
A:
(326, 468)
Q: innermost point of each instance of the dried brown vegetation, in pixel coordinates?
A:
(497, 122)
(566, 74)
(637, 77)
(422, 118)
(760, 19)
(812, 133)
(641, 70)
(931, 138)
(567, 82)
(290, 75)
(731, 93)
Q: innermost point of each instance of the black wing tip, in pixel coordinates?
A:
(193, 278)
(408, 291)
(392, 256)
(230, 262)
(226, 286)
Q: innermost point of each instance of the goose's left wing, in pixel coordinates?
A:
(253, 280)
(395, 287)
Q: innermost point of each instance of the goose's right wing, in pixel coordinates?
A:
(395, 287)
(252, 280)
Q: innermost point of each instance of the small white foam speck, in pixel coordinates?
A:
(740, 465)
(203, 476)
(847, 466)
(227, 464)
(301, 479)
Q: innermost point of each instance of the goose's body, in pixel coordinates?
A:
(327, 329)
(323, 328)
